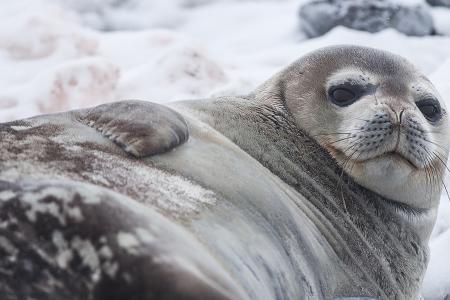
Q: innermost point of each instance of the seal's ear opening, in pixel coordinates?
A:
(140, 128)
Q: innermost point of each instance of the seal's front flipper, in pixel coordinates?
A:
(141, 128)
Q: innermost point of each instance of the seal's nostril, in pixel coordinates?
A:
(400, 117)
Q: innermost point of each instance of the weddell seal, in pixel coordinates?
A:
(321, 184)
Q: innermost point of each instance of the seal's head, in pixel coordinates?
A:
(377, 115)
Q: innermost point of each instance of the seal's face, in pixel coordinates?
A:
(382, 121)
(390, 138)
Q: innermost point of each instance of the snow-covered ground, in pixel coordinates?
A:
(64, 54)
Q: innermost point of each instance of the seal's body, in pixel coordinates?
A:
(259, 203)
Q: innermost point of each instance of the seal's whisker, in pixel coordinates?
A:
(437, 155)
(340, 140)
(349, 157)
(351, 168)
(436, 172)
(354, 161)
(446, 190)
(357, 139)
(331, 133)
(428, 176)
(434, 143)
(422, 127)
(335, 133)
(433, 171)
(364, 120)
(441, 179)
(353, 144)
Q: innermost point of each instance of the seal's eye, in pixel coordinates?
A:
(342, 96)
(430, 108)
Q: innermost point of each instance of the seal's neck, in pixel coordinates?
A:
(268, 133)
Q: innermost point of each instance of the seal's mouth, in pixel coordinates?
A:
(397, 157)
(392, 155)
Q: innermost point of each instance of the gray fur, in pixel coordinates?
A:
(256, 207)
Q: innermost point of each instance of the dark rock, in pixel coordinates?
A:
(319, 16)
(439, 2)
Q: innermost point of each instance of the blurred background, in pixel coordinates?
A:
(58, 55)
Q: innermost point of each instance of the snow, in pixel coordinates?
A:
(57, 55)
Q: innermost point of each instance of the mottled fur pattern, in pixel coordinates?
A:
(79, 241)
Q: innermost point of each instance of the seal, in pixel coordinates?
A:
(321, 184)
